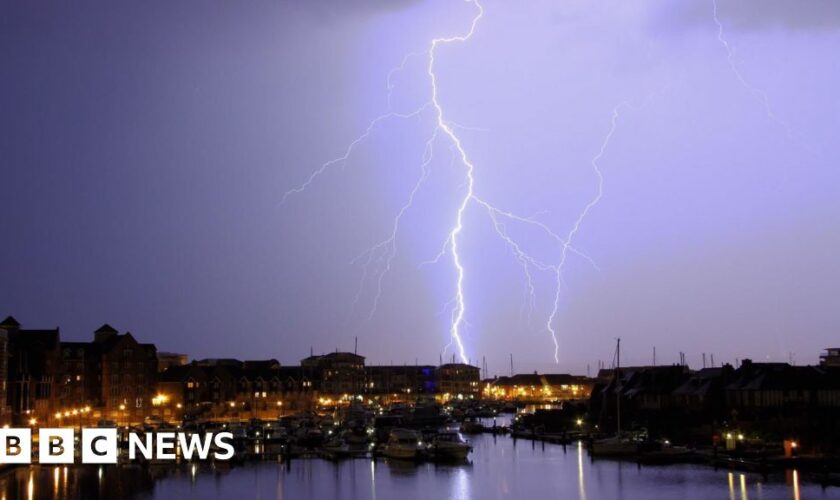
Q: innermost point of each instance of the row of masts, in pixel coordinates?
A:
(601, 365)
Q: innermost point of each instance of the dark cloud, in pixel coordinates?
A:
(751, 15)
(344, 8)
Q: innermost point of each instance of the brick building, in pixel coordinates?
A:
(128, 374)
(31, 370)
(336, 373)
(458, 379)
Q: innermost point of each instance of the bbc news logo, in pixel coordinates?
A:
(101, 446)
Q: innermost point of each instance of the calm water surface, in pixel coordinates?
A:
(499, 468)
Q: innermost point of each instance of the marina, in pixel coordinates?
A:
(498, 466)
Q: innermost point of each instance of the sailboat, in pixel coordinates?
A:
(618, 445)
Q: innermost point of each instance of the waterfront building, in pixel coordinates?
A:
(78, 381)
(32, 360)
(167, 359)
(831, 357)
(231, 390)
(538, 387)
(129, 375)
(336, 373)
(458, 379)
(400, 382)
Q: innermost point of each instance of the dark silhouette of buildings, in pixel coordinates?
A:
(831, 357)
(778, 399)
(47, 381)
(112, 377)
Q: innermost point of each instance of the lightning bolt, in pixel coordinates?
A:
(350, 148)
(757, 93)
(389, 245)
(460, 306)
(558, 270)
(382, 253)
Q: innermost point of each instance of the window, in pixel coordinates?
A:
(138, 402)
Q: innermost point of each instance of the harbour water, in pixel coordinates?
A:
(499, 467)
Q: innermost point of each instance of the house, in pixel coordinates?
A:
(32, 360)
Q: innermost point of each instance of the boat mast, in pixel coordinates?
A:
(617, 386)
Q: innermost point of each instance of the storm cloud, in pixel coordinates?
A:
(752, 15)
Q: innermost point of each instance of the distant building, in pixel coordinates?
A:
(168, 359)
(402, 381)
(129, 374)
(538, 387)
(831, 357)
(762, 387)
(229, 389)
(458, 379)
(336, 373)
(78, 381)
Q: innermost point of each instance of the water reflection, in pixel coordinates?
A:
(373, 480)
(498, 469)
(731, 482)
(581, 487)
(795, 481)
(462, 485)
(743, 487)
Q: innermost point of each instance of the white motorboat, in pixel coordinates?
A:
(404, 444)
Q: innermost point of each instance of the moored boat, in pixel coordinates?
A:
(449, 445)
(614, 447)
(403, 444)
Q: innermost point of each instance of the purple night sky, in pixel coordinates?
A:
(146, 149)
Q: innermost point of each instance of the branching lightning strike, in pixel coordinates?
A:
(383, 253)
(757, 93)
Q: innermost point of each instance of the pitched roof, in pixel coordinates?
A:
(260, 364)
(106, 328)
(9, 322)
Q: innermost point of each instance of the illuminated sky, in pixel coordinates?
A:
(146, 150)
